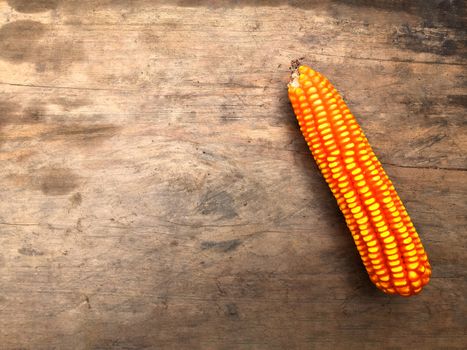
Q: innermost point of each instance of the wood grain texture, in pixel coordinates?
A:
(157, 193)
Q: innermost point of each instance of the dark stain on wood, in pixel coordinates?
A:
(231, 310)
(49, 180)
(88, 131)
(82, 135)
(76, 199)
(33, 117)
(34, 42)
(19, 40)
(34, 113)
(448, 13)
(29, 251)
(458, 100)
(140, 343)
(70, 103)
(304, 4)
(58, 181)
(9, 112)
(427, 142)
(219, 203)
(229, 115)
(429, 108)
(424, 40)
(394, 5)
(33, 6)
(224, 246)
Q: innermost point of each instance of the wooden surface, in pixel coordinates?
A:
(157, 193)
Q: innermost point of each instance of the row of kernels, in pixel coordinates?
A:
(344, 186)
(381, 225)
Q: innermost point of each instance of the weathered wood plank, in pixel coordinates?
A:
(156, 192)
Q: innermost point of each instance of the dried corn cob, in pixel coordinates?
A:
(382, 230)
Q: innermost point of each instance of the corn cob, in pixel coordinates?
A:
(385, 237)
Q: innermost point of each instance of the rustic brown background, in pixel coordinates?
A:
(156, 192)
